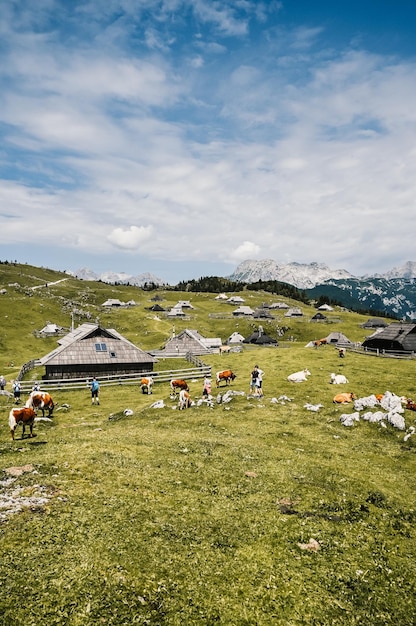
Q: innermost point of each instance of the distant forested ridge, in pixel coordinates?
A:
(217, 284)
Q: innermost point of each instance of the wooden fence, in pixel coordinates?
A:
(384, 353)
(197, 371)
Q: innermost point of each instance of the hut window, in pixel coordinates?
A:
(113, 355)
(101, 347)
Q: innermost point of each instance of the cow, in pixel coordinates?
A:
(25, 416)
(410, 404)
(338, 379)
(184, 399)
(344, 398)
(299, 377)
(176, 384)
(146, 385)
(227, 375)
(41, 400)
(319, 342)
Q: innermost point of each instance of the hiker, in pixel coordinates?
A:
(256, 381)
(206, 390)
(2, 383)
(259, 382)
(95, 390)
(16, 391)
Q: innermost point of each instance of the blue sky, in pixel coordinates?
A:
(181, 137)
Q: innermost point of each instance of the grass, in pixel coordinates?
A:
(198, 517)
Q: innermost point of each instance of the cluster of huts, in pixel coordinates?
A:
(92, 350)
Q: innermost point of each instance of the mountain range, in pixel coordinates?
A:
(308, 275)
(392, 293)
(120, 278)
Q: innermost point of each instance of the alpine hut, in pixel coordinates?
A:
(397, 337)
(90, 350)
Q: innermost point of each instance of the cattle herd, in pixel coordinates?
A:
(38, 400)
(42, 401)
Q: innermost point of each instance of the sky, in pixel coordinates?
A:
(182, 137)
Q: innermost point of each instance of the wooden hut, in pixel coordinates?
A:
(90, 350)
(397, 337)
(191, 341)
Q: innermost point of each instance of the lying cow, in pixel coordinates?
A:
(41, 400)
(299, 377)
(178, 384)
(146, 385)
(227, 375)
(344, 398)
(338, 379)
(184, 399)
(25, 416)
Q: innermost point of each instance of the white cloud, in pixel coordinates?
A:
(246, 250)
(131, 238)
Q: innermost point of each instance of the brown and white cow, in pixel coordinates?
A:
(178, 384)
(184, 400)
(146, 384)
(25, 416)
(227, 375)
(41, 400)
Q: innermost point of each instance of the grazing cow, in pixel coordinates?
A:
(146, 385)
(178, 384)
(299, 377)
(338, 379)
(41, 400)
(25, 416)
(227, 375)
(184, 399)
(410, 404)
(344, 398)
(319, 342)
(224, 349)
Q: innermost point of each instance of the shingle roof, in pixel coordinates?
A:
(397, 336)
(91, 344)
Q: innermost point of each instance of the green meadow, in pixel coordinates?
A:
(247, 512)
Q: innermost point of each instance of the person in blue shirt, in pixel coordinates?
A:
(95, 390)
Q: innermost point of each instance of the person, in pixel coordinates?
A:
(2, 383)
(206, 390)
(253, 381)
(16, 391)
(259, 382)
(36, 387)
(95, 390)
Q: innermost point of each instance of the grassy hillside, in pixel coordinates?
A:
(204, 516)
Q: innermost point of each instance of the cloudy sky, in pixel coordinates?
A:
(181, 137)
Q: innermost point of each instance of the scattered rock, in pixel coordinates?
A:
(312, 546)
(18, 471)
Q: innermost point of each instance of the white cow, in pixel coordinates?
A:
(338, 379)
(299, 377)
